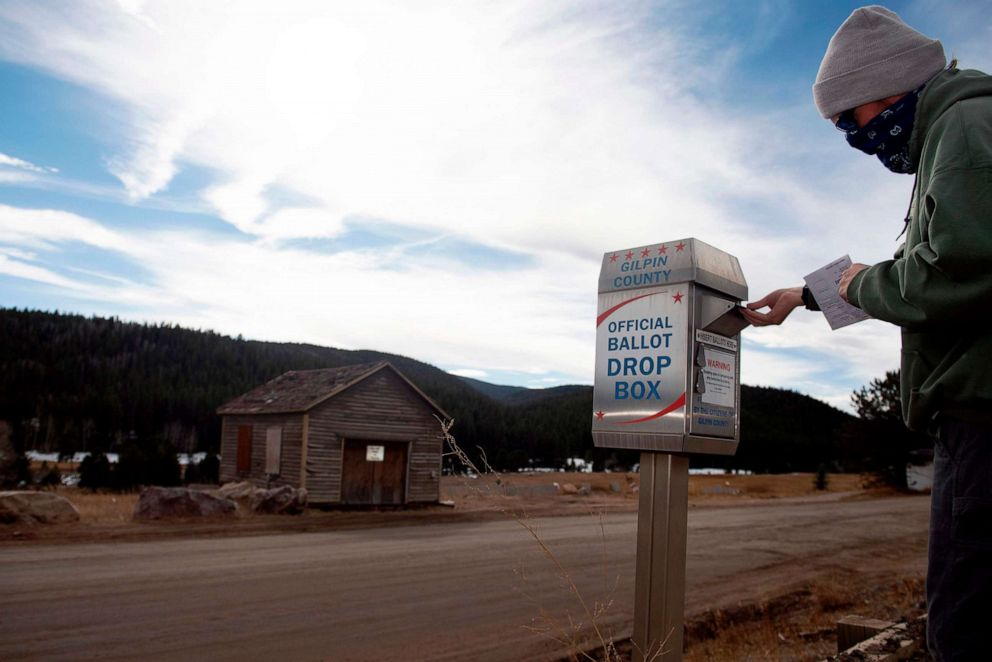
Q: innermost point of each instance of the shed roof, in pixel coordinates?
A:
(302, 390)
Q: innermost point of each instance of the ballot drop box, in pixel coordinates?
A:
(668, 384)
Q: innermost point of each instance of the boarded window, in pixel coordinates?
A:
(273, 449)
(244, 448)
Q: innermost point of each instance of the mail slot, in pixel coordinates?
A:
(668, 349)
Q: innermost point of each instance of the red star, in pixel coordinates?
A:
(600, 415)
(629, 255)
(663, 249)
(613, 258)
(679, 246)
(678, 297)
(646, 252)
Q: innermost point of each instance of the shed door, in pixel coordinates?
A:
(367, 480)
(244, 448)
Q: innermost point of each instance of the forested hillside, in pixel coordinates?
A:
(71, 383)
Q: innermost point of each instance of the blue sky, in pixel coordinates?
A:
(438, 180)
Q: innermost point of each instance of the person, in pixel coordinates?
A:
(889, 89)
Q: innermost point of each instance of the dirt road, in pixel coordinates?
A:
(439, 591)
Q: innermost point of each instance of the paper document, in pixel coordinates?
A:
(823, 284)
(719, 383)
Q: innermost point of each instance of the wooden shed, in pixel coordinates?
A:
(355, 435)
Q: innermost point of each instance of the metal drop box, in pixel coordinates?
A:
(668, 349)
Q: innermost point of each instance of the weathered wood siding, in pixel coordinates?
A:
(323, 463)
(384, 408)
(292, 438)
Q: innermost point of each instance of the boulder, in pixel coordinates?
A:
(36, 507)
(170, 502)
(244, 493)
(283, 500)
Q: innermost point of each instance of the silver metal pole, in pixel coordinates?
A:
(659, 588)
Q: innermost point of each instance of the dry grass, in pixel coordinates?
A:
(801, 625)
(101, 507)
(611, 489)
(769, 486)
(797, 626)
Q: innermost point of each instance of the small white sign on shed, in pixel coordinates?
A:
(375, 453)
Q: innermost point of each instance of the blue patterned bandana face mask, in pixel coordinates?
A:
(887, 134)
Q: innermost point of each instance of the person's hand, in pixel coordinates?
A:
(847, 277)
(779, 303)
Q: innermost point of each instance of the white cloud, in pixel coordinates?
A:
(15, 177)
(346, 299)
(513, 122)
(19, 269)
(21, 164)
(470, 372)
(18, 254)
(299, 222)
(40, 228)
(558, 130)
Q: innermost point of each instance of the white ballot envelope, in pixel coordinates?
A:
(823, 284)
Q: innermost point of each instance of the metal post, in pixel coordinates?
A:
(659, 589)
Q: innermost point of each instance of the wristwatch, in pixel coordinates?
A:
(808, 299)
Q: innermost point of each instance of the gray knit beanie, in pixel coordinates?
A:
(873, 55)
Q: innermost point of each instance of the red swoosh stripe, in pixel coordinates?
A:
(667, 410)
(599, 320)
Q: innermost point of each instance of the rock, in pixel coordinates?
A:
(244, 493)
(569, 488)
(614, 487)
(36, 507)
(234, 490)
(169, 502)
(283, 500)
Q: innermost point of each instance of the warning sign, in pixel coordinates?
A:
(718, 370)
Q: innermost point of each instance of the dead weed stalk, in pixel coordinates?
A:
(546, 624)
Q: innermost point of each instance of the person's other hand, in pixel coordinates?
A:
(847, 277)
(779, 303)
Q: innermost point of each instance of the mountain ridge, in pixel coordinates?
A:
(70, 382)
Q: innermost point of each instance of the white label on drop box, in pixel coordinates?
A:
(714, 339)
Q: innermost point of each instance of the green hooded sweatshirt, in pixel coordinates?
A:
(939, 286)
